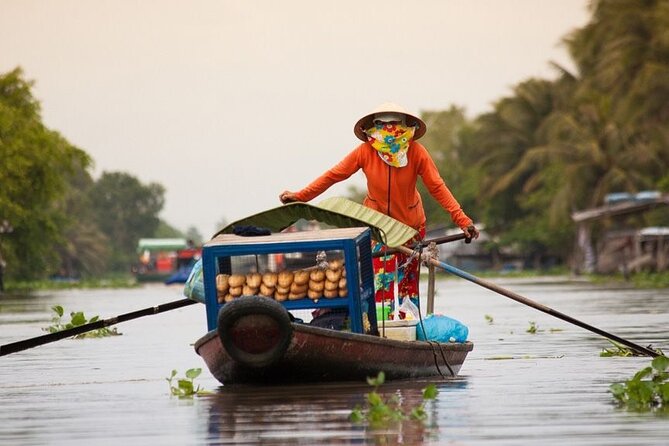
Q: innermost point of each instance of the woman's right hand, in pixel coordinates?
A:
(287, 197)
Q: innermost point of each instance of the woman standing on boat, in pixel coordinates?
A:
(392, 160)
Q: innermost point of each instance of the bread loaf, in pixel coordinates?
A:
(222, 283)
(253, 280)
(285, 278)
(301, 277)
(237, 280)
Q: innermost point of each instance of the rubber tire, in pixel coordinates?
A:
(247, 305)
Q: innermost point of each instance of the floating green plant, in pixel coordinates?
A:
(185, 387)
(77, 318)
(617, 350)
(534, 328)
(488, 319)
(380, 412)
(648, 390)
(620, 350)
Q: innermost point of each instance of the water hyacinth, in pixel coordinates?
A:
(648, 390)
(77, 319)
(185, 387)
(380, 413)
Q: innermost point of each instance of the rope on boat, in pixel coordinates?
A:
(432, 252)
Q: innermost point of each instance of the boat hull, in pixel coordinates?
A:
(317, 354)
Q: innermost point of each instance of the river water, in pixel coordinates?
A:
(515, 388)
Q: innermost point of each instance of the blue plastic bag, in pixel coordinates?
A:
(442, 328)
(194, 287)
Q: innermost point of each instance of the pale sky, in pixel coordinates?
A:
(227, 103)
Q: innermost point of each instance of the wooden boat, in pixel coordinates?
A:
(256, 340)
(255, 348)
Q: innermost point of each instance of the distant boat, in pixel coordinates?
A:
(168, 260)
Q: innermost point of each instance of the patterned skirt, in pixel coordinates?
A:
(398, 267)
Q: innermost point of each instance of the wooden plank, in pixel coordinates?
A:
(430, 288)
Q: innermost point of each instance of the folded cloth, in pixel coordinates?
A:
(250, 231)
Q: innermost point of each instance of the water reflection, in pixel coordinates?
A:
(318, 414)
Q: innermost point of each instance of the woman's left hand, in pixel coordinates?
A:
(287, 197)
(471, 232)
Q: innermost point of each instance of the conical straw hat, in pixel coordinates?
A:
(366, 121)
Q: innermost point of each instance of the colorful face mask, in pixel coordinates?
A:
(391, 142)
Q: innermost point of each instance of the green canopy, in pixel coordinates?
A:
(161, 244)
(339, 212)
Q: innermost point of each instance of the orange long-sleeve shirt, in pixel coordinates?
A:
(405, 201)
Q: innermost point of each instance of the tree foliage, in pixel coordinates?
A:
(36, 164)
(126, 210)
(554, 147)
(64, 222)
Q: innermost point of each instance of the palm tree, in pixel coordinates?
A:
(504, 136)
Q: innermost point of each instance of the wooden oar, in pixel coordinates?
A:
(52, 337)
(436, 240)
(523, 300)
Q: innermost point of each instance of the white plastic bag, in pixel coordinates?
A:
(409, 309)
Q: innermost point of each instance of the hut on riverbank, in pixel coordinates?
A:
(613, 238)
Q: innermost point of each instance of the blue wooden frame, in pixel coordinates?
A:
(357, 260)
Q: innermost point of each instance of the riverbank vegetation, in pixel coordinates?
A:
(60, 222)
(642, 279)
(552, 146)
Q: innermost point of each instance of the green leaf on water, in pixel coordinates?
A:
(430, 392)
(58, 310)
(193, 373)
(379, 380)
(664, 393)
(78, 318)
(638, 376)
(418, 413)
(660, 363)
(618, 390)
(186, 386)
(374, 399)
(356, 415)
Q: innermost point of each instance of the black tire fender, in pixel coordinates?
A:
(238, 308)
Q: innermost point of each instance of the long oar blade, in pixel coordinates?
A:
(52, 337)
(523, 300)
